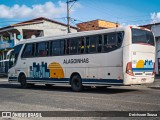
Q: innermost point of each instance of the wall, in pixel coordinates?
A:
(51, 29)
(95, 25)
(86, 26)
(157, 53)
(156, 30)
(107, 24)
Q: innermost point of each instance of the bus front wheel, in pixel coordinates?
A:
(76, 83)
(22, 80)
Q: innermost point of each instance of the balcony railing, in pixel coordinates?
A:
(6, 44)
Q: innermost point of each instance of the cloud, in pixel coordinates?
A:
(48, 9)
(155, 17)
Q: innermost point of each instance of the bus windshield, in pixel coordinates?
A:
(14, 55)
(142, 36)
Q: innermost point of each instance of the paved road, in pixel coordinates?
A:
(13, 98)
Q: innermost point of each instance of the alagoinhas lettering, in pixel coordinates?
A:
(75, 61)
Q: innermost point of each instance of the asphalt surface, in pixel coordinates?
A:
(62, 98)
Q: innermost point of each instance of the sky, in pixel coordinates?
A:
(124, 12)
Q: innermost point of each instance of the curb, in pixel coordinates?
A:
(3, 80)
(154, 87)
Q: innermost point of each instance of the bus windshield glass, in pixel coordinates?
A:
(14, 55)
(142, 36)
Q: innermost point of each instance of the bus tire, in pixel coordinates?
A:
(22, 80)
(76, 83)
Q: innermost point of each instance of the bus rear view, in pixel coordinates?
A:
(141, 57)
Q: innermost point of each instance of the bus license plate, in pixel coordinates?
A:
(143, 79)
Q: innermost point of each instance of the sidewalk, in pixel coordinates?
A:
(156, 83)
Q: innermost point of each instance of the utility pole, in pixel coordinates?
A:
(68, 13)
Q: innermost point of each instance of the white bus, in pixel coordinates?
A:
(117, 56)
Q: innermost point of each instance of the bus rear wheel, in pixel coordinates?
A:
(22, 80)
(76, 83)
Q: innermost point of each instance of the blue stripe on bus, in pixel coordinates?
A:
(142, 69)
(102, 81)
(52, 79)
(66, 80)
(12, 78)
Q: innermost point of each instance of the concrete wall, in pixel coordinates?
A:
(157, 53)
(95, 25)
(86, 26)
(156, 30)
(51, 29)
(107, 24)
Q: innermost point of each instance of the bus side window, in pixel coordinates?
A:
(99, 43)
(81, 46)
(67, 46)
(16, 51)
(105, 46)
(62, 47)
(112, 39)
(55, 48)
(87, 45)
(110, 42)
(28, 51)
(93, 44)
(119, 38)
(42, 49)
(73, 45)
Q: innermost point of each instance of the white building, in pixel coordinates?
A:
(156, 30)
(11, 35)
